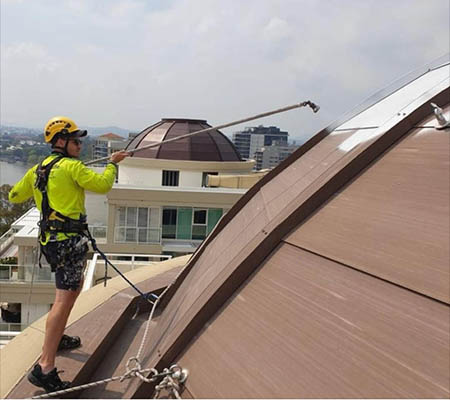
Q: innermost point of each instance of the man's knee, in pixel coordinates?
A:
(66, 297)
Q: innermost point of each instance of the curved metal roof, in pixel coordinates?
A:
(207, 146)
(337, 246)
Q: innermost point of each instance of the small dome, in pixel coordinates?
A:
(208, 146)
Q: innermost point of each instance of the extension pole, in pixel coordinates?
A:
(314, 107)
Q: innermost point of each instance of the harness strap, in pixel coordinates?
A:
(53, 220)
(43, 172)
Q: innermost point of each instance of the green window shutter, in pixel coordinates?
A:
(214, 215)
(184, 223)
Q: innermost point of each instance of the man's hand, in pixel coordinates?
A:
(118, 156)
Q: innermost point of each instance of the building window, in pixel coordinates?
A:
(137, 225)
(169, 223)
(170, 178)
(199, 224)
(205, 177)
(187, 223)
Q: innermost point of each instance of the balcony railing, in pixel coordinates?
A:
(12, 327)
(124, 262)
(9, 331)
(6, 239)
(24, 273)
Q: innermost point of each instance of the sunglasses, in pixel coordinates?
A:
(78, 142)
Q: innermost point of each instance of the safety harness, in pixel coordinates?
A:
(52, 221)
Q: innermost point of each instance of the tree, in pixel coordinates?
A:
(18, 153)
(33, 158)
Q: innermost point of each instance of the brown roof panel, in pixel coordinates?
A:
(306, 327)
(393, 221)
(143, 139)
(137, 139)
(303, 172)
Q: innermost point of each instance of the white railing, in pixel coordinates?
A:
(130, 261)
(89, 273)
(135, 260)
(9, 331)
(14, 328)
(6, 240)
(24, 273)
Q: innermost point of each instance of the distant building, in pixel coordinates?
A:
(132, 135)
(107, 144)
(271, 156)
(252, 139)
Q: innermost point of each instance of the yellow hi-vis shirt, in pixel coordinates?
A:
(68, 180)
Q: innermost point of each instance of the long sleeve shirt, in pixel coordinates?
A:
(68, 179)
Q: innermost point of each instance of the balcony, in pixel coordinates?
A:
(24, 273)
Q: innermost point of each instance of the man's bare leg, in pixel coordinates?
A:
(55, 325)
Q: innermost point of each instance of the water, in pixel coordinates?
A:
(11, 173)
(96, 204)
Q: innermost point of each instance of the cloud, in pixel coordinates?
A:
(130, 63)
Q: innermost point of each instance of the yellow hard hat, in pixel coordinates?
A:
(63, 126)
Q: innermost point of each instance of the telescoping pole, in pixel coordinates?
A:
(314, 107)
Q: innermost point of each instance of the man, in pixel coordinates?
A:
(57, 185)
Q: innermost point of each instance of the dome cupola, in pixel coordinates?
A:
(207, 146)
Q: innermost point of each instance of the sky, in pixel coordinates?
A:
(129, 63)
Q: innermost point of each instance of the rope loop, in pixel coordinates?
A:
(138, 371)
(136, 368)
(153, 371)
(131, 371)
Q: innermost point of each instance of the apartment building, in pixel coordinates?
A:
(270, 156)
(250, 140)
(107, 144)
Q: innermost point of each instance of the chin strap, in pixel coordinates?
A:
(61, 150)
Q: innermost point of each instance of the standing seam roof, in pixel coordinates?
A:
(251, 233)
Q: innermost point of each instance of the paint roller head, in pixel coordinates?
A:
(314, 107)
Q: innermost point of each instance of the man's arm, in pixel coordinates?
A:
(99, 183)
(22, 190)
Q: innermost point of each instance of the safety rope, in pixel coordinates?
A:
(173, 377)
(176, 375)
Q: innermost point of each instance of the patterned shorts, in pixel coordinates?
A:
(67, 259)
